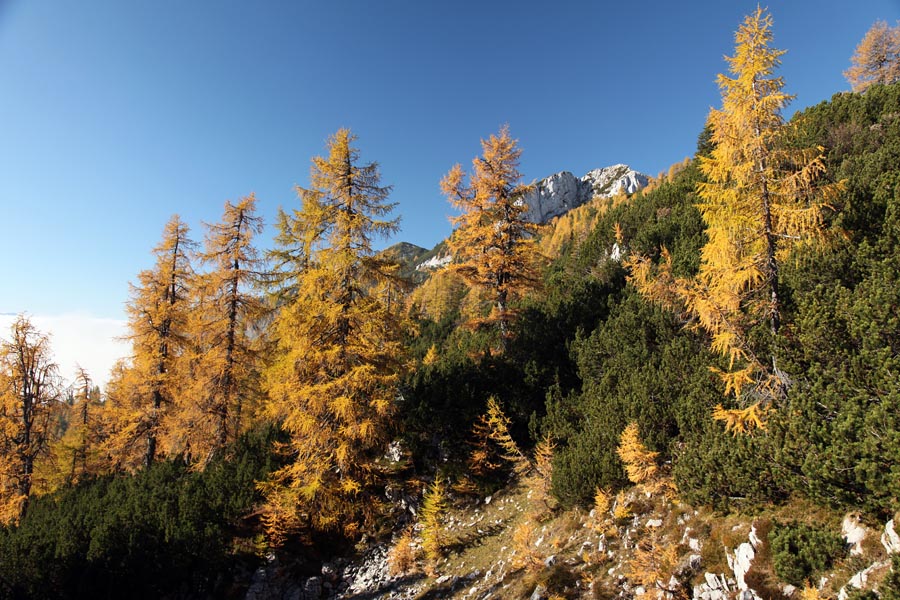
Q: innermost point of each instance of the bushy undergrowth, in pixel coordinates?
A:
(165, 531)
(801, 552)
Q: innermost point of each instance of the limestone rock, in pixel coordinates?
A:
(741, 562)
(715, 587)
(853, 532)
(889, 539)
(860, 580)
(561, 192)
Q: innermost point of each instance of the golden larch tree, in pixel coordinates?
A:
(493, 245)
(123, 417)
(438, 297)
(640, 463)
(431, 516)
(333, 381)
(30, 398)
(760, 200)
(223, 360)
(78, 452)
(877, 58)
(158, 314)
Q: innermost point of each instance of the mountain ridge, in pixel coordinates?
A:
(547, 199)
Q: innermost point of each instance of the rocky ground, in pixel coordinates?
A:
(504, 546)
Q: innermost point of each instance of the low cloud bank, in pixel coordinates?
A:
(79, 339)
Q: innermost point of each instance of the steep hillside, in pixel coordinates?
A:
(407, 255)
(582, 461)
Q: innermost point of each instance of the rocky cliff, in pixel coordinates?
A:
(560, 193)
(556, 195)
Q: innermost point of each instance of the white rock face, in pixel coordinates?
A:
(552, 197)
(434, 263)
(609, 181)
(741, 562)
(714, 588)
(889, 539)
(860, 579)
(853, 533)
(561, 192)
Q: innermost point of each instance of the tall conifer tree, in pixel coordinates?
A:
(223, 366)
(30, 397)
(493, 245)
(760, 201)
(76, 454)
(334, 381)
(158, 313)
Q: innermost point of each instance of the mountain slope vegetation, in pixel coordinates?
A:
(537, 420)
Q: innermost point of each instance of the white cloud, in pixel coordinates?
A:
(79, 339)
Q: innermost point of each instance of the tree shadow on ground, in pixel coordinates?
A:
(464, 542)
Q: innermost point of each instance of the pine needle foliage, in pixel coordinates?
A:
(333, 382)
(497, 426)
(402, 557)
(652, 565)
(602, 503)
(526, 556)
(493, 245)
(640, 463)
(761, 200)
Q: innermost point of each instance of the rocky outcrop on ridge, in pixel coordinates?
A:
(561, 192)
(556, 195)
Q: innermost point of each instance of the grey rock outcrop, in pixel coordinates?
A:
(889, 539)
(561, 192)
(853, 532)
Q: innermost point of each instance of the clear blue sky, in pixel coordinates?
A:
(115, 114)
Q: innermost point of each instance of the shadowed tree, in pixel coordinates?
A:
(77, 453)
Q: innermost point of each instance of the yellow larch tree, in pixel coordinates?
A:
(641, 463)
(438, 297)
(877, 58)
(653, 563)
(78, 452)
(30, 398)
(158, 313)
(333, 382)
(431, 516)
(493, 245)
(760, 200)
(123, 447)
(223, 364)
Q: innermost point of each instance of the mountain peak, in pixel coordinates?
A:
(561, 192)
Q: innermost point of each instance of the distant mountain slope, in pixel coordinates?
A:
(549, 199)
(407, 256)
(559, 193)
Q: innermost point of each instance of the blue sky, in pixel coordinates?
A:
(114, 115)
